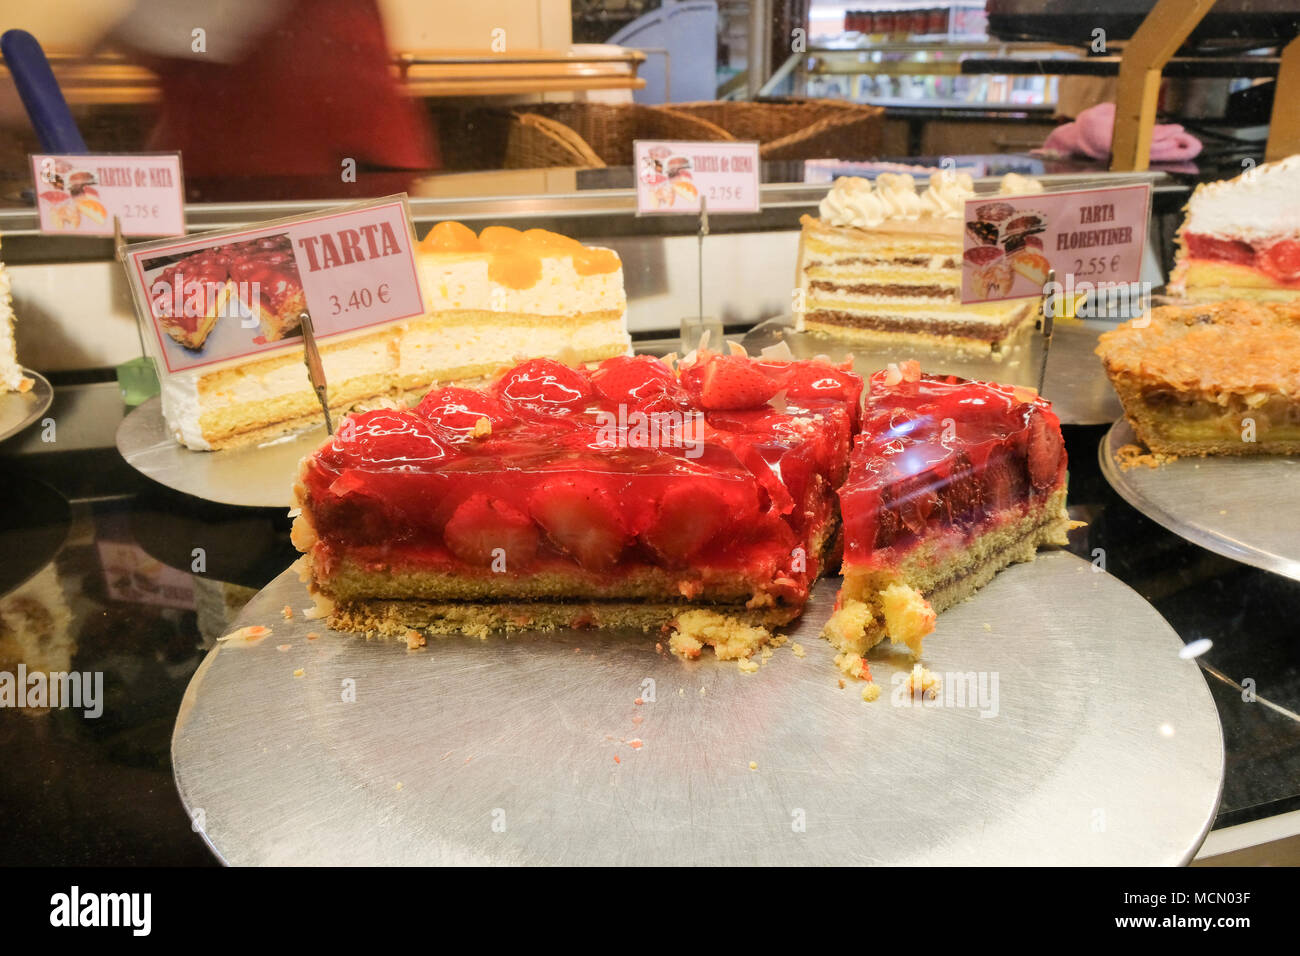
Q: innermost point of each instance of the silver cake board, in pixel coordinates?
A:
(258, 476)
(1075, 381)
(1244, 507)
(20, 410)
(1092, 742)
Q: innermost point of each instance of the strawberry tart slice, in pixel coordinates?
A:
(621, 496)
(949, 482)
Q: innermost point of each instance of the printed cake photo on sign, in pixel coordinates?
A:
(221, 300)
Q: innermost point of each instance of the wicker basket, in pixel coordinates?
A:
(797, 129)
(610, 129)
(478, 139)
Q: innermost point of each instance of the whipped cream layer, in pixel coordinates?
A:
(856, 202)
(1261, 203)
(456, 281)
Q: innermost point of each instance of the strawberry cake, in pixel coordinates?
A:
(1240, 238)
(621, 496)
(949, 482)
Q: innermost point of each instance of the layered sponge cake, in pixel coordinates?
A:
(883, 264)
(12, 378)
(1240, 238)
(490, 299)
(623, 496)
(950, 481)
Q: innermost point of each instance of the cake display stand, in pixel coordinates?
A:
(1068, 730)
(1243, 507)
(19, 410)
(1075, 382)
(259, 476)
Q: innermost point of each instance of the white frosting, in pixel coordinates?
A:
(898, 193)
(852, 201)
(11, 373)
(1261, 203)
(180, 403)
(460, 281)
(1014, 184)
(947, 194)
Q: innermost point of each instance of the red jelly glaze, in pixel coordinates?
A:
(727, 490)
(1279, 259)
(944, 454)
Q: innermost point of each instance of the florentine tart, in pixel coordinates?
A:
(1221, 378)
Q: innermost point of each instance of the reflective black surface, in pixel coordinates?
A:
(137, 582)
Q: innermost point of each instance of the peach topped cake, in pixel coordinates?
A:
(1220, 378)
(623, 496)
(489, 298)
(1240, 238)
(949, 482)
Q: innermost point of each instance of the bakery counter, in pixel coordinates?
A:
(104, 571)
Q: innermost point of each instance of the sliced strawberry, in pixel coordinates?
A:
(1282, 260)
(1220, 250)
(687, 519)
(915, 500)
(480, 525)
(388, 440)
(731, 382)
(581, 519)
(1046, 450)
(640, 382)
(459, 410)
(804, 380)
(960, 495)
(546, 387)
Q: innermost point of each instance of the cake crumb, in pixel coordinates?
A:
(414, 640)
(871, 692)
(659, 648)
(747, 666)
(753, 765)
(1132, 456)
(482, 428)
(639, 701)
(313, 636)
(635, 743)
(253, 632)
(988, 626)
(287, 612)
(730, 639)
(908, 616)
(617, 759)
(298, 673)
(283, 647)
(398, 785)
(852, 628)
(841, 683)
(922, 682)
(853, 665)
(797, 649)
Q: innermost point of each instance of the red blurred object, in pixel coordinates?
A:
(314, 90)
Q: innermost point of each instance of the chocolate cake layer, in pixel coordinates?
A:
(985, 332)
(888, 288)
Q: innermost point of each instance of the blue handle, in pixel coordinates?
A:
(46, 107)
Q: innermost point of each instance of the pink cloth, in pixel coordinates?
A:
(1090, 135)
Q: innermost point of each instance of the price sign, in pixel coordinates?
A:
(1091, 236)
(228, 295)
(80, 194)
(673, 177)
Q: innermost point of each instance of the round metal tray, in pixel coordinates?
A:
(1103, 747)
(1242, 507)
(18, 410)
(1075, 382)
(260, 476)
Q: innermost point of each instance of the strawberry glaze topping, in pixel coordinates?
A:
(622, 466)
(943, 453)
